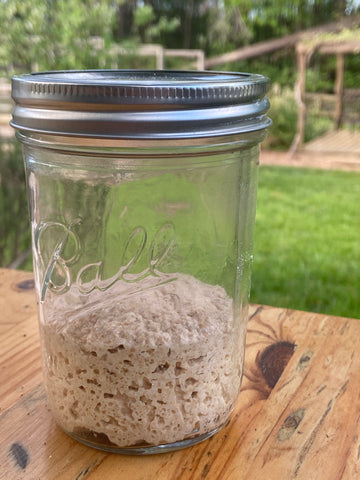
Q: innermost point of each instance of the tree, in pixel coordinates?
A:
(60, 34)
(222, 25)
(54, 34)
(226, 30)
(268, 19)
(147, 27)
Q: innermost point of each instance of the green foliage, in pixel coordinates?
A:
(54, 34)
(58, 34)
(280, 67)
(316, 126)
(227, 30)
(148, 28)
(321, 80)
(20, 40)
(68, 29)
(307, 250)
(144, 15)
(14, 218)
(321, 73)
(283, 112)
(222, 26)
(352, 64)
(268, 19)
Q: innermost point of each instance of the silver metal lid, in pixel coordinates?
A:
(140, 103)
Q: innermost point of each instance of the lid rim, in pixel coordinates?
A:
(228, 87)
(189, 101)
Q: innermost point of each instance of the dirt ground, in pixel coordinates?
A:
(346, 161)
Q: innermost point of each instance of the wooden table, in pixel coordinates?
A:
(297, 417)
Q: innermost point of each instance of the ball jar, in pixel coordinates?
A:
(142, 195)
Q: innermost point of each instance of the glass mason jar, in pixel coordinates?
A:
(142, 193)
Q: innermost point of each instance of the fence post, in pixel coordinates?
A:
(298, 141)
(339, 87)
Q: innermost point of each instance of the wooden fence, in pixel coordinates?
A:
(160, 53)
(324, 104)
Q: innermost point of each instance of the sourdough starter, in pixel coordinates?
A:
(151, 368)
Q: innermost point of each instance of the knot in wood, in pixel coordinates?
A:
(273, 361)
(26, 285)
(290, 424)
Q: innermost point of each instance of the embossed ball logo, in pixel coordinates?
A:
(59, 249)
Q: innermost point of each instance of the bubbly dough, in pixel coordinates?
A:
(151, 368)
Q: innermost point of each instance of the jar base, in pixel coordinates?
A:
(144, 449)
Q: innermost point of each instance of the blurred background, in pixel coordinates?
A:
(307, 248)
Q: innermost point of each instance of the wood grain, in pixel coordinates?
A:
(297, 417)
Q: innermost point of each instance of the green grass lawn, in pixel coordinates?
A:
(307, 240)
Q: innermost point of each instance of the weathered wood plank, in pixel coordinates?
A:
(297, 417)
